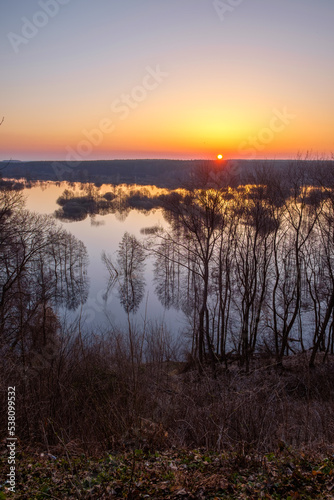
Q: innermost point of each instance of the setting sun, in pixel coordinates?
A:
(220, 157)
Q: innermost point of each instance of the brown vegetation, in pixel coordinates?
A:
(120, 392)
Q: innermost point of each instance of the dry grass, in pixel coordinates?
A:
(115, 394)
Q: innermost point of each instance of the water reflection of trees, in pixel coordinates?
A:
(252, 267)
(91, 200)
(41, 266)
(77, 206)
(167, 275)
(127, 273)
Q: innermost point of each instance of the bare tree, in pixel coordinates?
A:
(127, 272)
(196, 220)
(320, 278)
(252, 256)
(295, 222)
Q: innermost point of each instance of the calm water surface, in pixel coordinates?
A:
(104, 233)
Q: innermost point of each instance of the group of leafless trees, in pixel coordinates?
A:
(42, 267)
(90, 201)
(252, 267)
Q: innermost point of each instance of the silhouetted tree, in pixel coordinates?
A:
(41, 266)
(127, 273)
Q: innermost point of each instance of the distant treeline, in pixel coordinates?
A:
(162, 173)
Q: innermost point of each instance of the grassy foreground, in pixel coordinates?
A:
(173, 474)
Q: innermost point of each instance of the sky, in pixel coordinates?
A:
(104, 79)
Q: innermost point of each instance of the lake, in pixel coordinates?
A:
(104, 233)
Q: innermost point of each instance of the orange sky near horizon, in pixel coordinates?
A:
(124, 81)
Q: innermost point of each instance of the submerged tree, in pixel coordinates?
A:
(320, 278)
(196, 220)
(127, 272)
(251, 259)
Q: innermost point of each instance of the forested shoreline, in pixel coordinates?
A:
(162, 173)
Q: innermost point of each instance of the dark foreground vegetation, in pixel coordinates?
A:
(113, 417)
(176, 474)
(251, 390)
